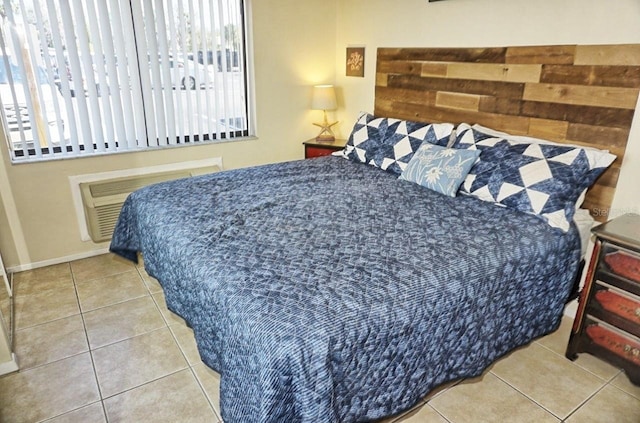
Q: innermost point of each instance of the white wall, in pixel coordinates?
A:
(485, 23)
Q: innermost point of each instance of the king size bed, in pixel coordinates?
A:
(345, 288)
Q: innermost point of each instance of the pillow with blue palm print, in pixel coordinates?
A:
(439, 168)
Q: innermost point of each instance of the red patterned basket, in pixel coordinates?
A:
(619, 305)
(617, 344)
(624, 265)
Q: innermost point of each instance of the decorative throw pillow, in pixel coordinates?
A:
(545, 179)
(439, 168)
(367, 135)
(402, 140)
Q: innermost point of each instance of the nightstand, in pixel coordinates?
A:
(607, 323)
(313, 148)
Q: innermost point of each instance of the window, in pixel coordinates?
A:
(87, 77)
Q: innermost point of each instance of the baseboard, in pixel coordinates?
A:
(9, 366)
(58, 260)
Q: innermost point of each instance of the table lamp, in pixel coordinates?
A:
(324, 98)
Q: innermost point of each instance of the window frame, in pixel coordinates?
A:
(20, 154)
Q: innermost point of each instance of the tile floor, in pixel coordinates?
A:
(96, 343)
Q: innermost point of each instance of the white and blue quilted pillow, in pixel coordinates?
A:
(439, 168)
(389, 143)
(403, 139)
(543, 179)
(368, 133)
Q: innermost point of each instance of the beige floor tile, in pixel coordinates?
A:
(45, 306)
(187, 342)
(120, 321)
(608, 405)
(210, 381)
(48, 391)
(100, 267)
(422, 414)
(134, 361)
(622, 382)
(174, 398)
(50, 277)
(548, 378)
(50, 342)
(487, 399)
(152, 283)
(557, 342)
(170, 317)
(93, 413)
(102, 292)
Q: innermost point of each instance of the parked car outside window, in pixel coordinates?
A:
(187, 75)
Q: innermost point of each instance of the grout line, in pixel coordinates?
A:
(528, 397)
(145, 383)
(610, 383)
(48, 419)
(605, 380)
(582, 404)
(86, 334)
(204, 392)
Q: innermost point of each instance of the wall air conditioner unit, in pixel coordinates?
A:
(102, 195)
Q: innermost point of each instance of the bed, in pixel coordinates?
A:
(339, 290)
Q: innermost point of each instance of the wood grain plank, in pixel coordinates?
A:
(606, 137)
(424, 113)
(502, 106)
(458, 101)
(400, 66)
(488, 88)
(553, 130)
(604, 76)
(495, 72)
(381, 79)
(607, 55)
(407, 95)
(541, 54)
(621, 98)
(434, 69)
(598, 116)
(478, 55)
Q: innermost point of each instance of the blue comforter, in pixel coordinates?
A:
(328, 291)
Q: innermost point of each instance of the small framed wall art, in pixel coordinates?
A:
(355, 61)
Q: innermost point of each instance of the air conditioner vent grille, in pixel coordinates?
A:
(103, 200)
(128, 185)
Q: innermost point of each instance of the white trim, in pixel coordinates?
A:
(76, 180)
(9, 366)
(59, 260)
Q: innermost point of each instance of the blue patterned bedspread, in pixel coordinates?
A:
(328, 291)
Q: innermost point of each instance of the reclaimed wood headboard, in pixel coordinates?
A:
(583, 95)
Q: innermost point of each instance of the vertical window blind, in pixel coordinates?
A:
(85, 77)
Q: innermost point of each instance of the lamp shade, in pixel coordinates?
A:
(324, 98)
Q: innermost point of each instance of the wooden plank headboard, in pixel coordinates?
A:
(583, 95)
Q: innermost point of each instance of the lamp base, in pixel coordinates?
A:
(326, 133)
(325, 138)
